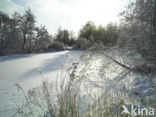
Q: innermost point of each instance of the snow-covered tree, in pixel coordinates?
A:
(4, 29)
(137, 28)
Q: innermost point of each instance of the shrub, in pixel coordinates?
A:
(81, 44)
(56, 45)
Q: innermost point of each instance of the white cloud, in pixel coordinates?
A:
(71, 14)
(9, 7)
(51, 13)
(55, 13)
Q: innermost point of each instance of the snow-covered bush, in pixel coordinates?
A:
(81, 44)
(56, 45)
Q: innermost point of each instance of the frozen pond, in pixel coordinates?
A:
(24, 70)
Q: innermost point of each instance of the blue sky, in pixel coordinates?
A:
(67, 14)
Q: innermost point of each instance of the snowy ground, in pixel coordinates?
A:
(25, 70)
(100, 76)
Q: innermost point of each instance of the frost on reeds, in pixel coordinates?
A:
(95, 86)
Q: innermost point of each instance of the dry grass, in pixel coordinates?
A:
(72, 96)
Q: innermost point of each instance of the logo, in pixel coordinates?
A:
(137, 110)
(125, 111)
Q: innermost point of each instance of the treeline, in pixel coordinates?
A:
(19, 33)
(88, 35)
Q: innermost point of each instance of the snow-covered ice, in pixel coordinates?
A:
(29, 71)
